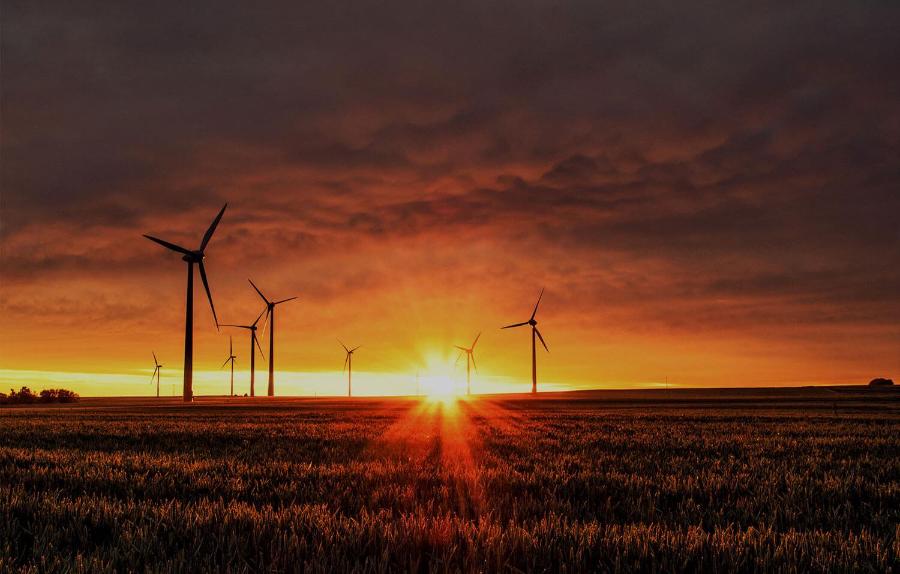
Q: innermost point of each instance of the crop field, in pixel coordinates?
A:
(793, 480)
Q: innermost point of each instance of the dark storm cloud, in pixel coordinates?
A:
(753, 146)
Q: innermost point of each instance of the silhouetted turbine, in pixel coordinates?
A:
(253, 340)
(270, 318)
(192, 257)
(470, 357)
(156, 373)
(231, 358)
(348, 366)
(534, 331)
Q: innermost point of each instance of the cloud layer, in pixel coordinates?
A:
(708, 191)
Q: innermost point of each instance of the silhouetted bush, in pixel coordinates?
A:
(879, 382)
(25, 396)
(67, 396)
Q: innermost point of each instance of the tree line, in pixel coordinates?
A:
(25, 396)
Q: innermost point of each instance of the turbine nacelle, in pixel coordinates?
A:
(194, 257)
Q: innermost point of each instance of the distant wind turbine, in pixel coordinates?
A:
(348, 366)
(270, 318)
(192, 257)
(253, 340)
(470, 358)
(230, 359)
(156, 372)
(534, 331)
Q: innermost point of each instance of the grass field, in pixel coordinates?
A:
(717, 481)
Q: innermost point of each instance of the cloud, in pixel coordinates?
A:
(721, 169)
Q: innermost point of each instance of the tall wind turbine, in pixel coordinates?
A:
(348, 366)
(270, 318)
(534, 331)
(253, 340)
(156, 373)
(470, 358)
(230, 359)
(191, 258)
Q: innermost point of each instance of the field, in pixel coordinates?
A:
(716, 481)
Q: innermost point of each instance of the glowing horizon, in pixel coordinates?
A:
(323, 383)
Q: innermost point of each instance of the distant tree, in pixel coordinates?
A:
(880, 382)
(66, 396)
(25, 396)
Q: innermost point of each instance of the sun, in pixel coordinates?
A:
(439, 386)
(438, 380)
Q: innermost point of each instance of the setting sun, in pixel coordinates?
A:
(439, 377)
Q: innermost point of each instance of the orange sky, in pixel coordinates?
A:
(710, 197)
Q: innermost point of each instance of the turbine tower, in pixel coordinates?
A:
(348, 366)
(270, 318)
(191, 258)
(156, 372)
(253, 340)
(470, 360)
(231, 358)
(534, 331)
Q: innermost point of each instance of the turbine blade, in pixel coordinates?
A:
(473, 361)
(346, 360)
(155, 360)
(212, 228)
(153, 376)
(458, 357)
(533, 313)
(285, 300)
(258, 346)
(168, 245)
(475, 341)
(258, 291)
(355, 348)
(260, 317)
(208, 294)
(515, 325)
(343, 345)
(266, 322)
(225, 363)
(460, 348)
(238, 326)
(542, 339)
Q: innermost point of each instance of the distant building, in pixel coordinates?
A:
(879, 382)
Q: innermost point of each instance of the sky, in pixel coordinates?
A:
(708, 193)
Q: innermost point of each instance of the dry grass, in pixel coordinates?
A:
(792, 484)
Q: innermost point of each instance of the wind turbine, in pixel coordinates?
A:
(253, 339)
(470, 358)
(231, 358)
(270, 318)
(534, 331)
(192, 257)
(156, 372)
(348, 366)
